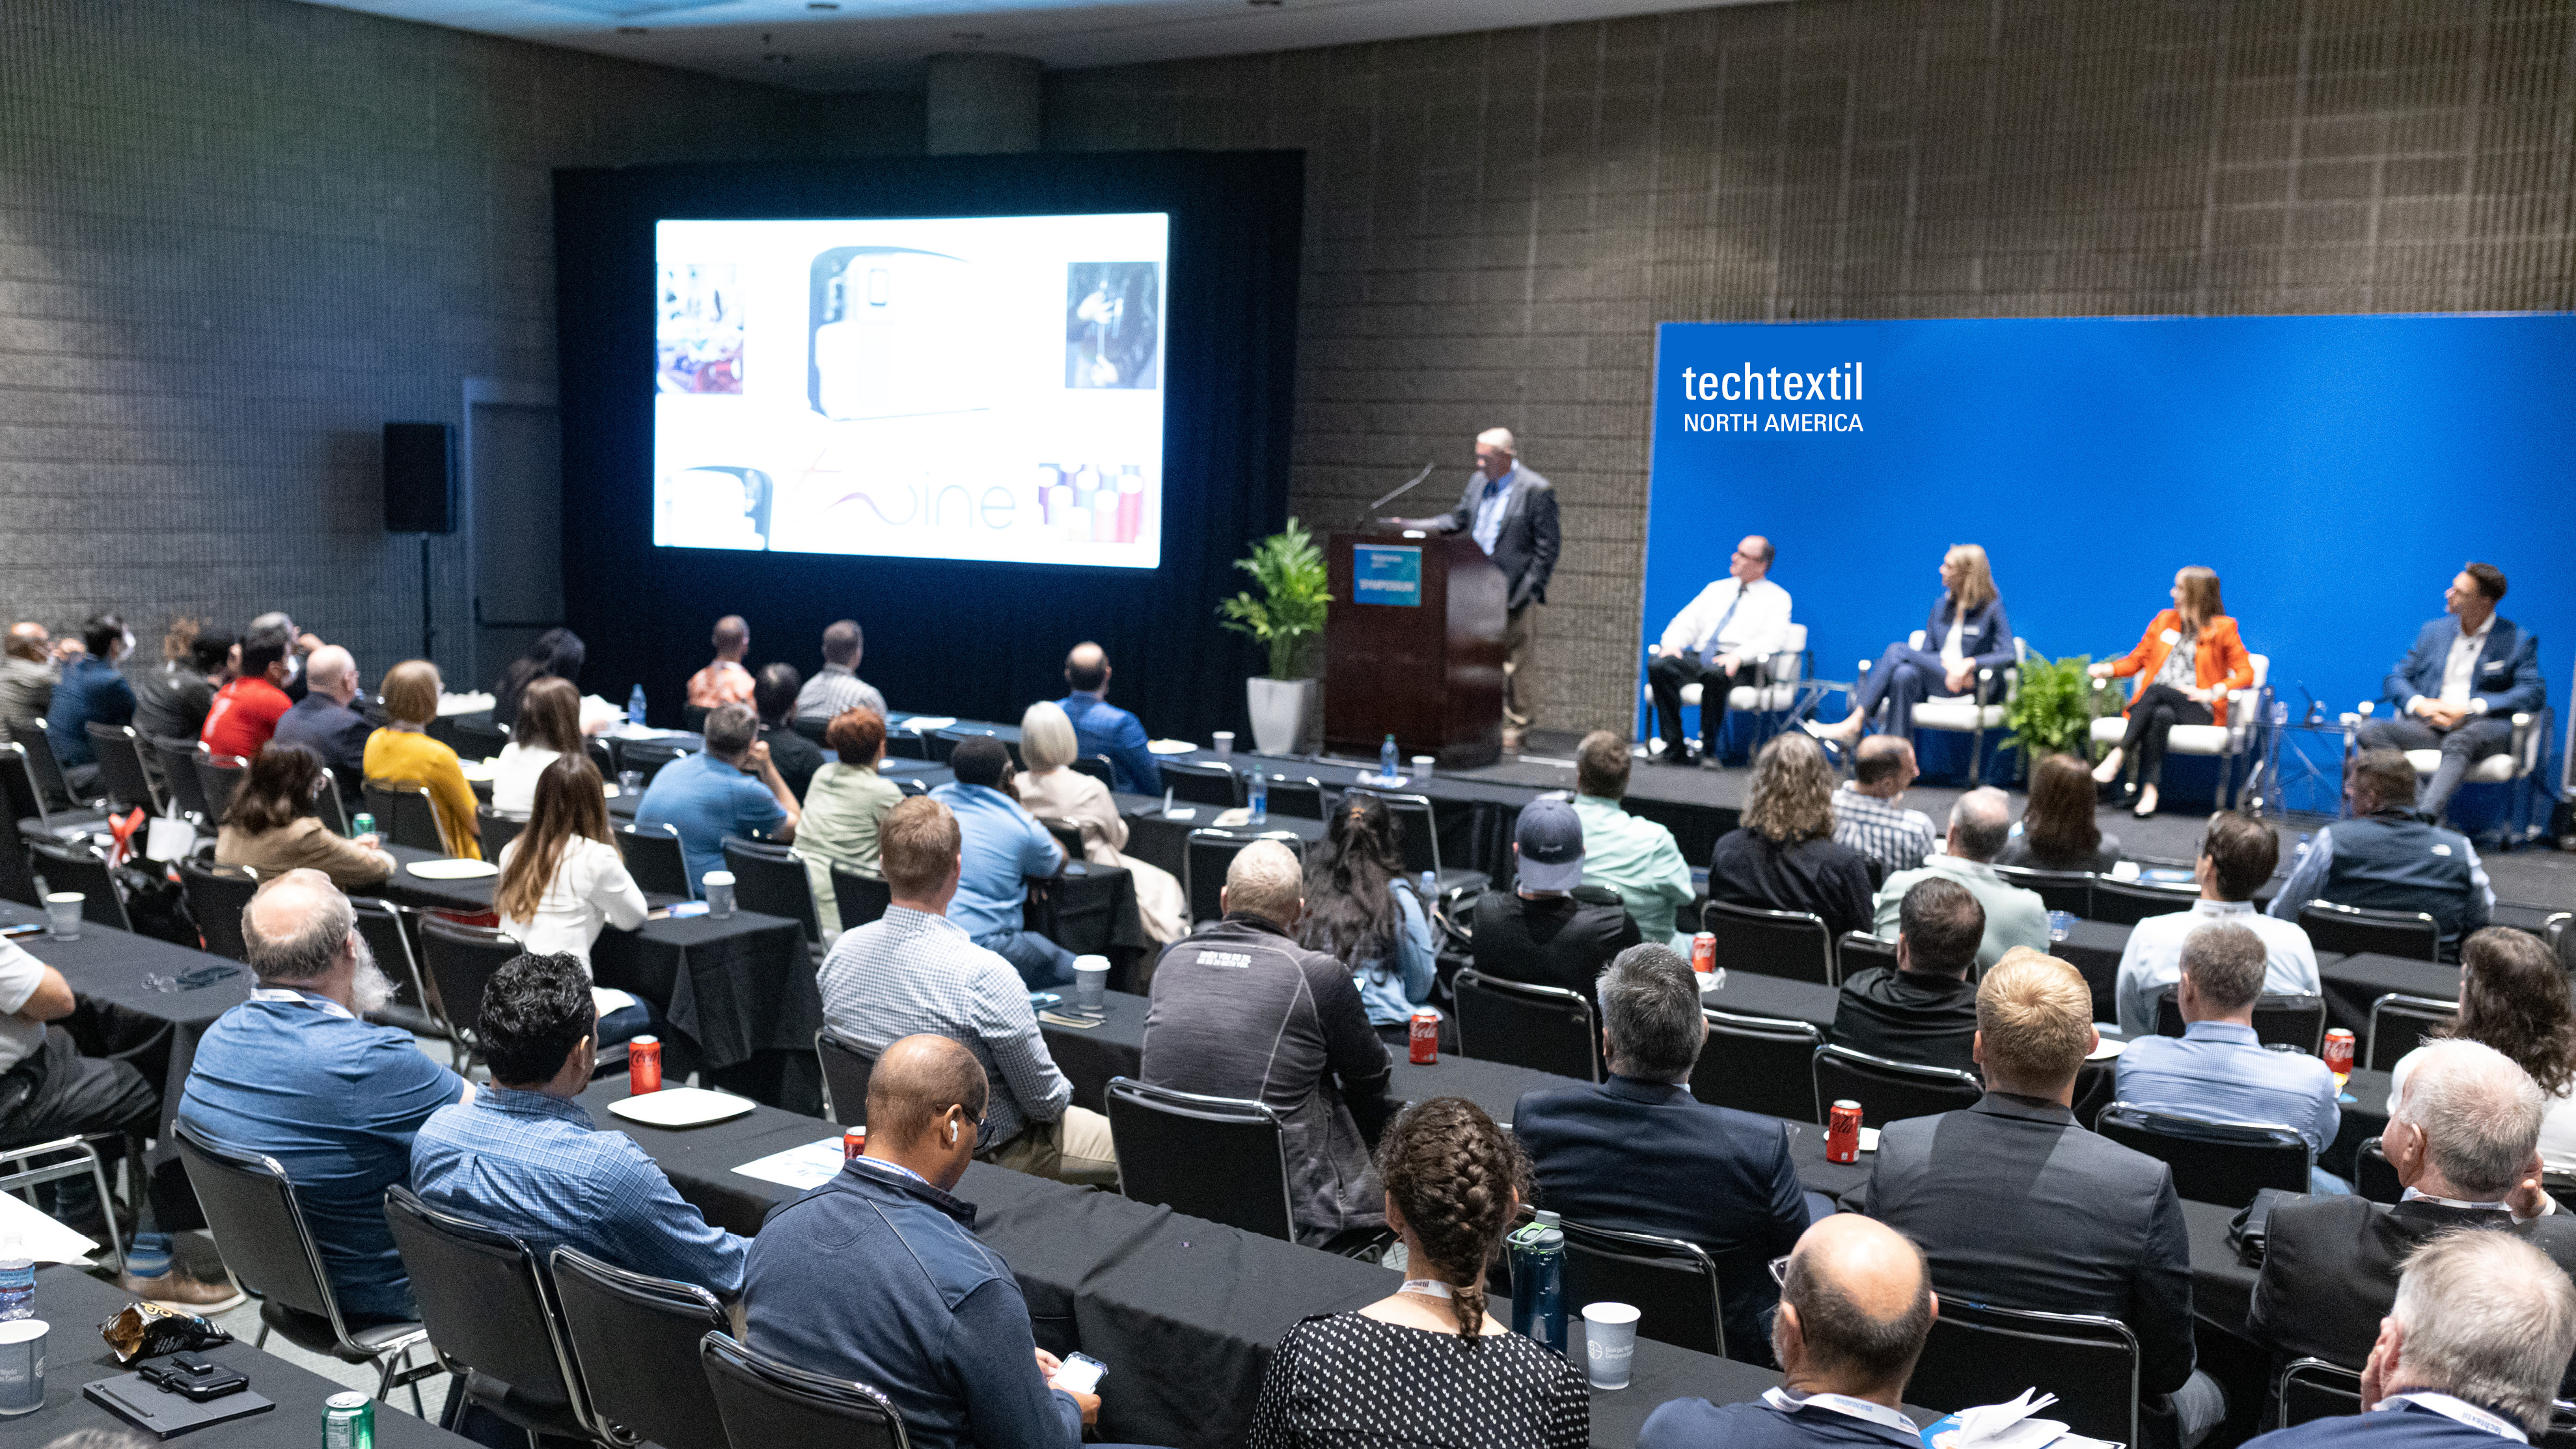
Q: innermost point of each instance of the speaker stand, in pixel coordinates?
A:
(428, 631)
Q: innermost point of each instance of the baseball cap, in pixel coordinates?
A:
(1550, 838)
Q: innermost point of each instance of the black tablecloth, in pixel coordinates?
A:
(2094, 948)
(106, 968)
(1157, 841)
(2354, 982)
(1749, 994)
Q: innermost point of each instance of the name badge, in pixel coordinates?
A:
(2494, 667)
(2171, 637)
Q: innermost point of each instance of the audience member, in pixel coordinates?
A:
(322, 720)
(563, 881)
(2187, 662)
(1361, 911)
(170, 702)
(1923, 1010)
(2237, 853)
(797, 758)
(1427, 1366)
(549, 728)
(724, 680)
(1005, 846)
(1867, 815)
(1966, 635)
(728, 788)
(1241, 1010)
(297, 1074)
(2459, 688)
(28, 674)
(1640, 1154)
(1050, 791)
(839, 689)
(557, 654)
(1723, 637)
(246, 710)
(2462, 1136)
(1550, 929)
(1784, 856)
(2386, 856)
(877, 1275)
(2514, 997)
(1626, 853)
(1856, 1306)
(915, 970)
(2014, 916)
(845, 806)
(271, 828)
(2057, 829)
(299, 647)
(402, 753)
(2094, 1227)
(2217, 1069)
(91, 692)
(1103, 729)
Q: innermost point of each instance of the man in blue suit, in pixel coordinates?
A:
(1639, 1154)
(1102, 728)
(2459, 688)
(2468, 1359)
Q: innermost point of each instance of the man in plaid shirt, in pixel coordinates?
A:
(1867, 817)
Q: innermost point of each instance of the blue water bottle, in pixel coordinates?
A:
(1538, 1281)
(1386, 758)
(635, 706)
(1260, 802)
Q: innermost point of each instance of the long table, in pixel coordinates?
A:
(138, 977)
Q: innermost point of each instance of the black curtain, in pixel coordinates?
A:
(978, 640)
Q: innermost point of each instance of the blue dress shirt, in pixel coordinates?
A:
(1003, 845)
(1102, 728)
(2217, 1069)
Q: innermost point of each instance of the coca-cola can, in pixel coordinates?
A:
(644, 1065)
(853, 1143)
(1425, 1038)
(1704, 952)
(2339, 1052)
(1842, 1132)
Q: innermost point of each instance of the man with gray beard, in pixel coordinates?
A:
(298, 1074)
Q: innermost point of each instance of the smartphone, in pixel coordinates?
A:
(1041, 1000)
(1081, 1373)
(31, 928)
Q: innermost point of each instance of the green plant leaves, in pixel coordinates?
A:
(2052, 710)
(1289, 568)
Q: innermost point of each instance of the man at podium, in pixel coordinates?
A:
(1511, 513)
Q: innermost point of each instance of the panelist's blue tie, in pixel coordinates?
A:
(1731, 605)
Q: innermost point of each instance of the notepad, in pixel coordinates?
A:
(802, 1168)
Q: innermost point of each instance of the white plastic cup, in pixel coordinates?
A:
(717, 885)
(630, 782)
(63, 914)
(1609, 1343)
(22, 1365)
(1422, 766)
(1224, 745)
(1090, 983)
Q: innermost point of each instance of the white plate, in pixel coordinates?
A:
(924, 723)
(452, 869)
(681, 1107)
(2110, 1047)
(1171, 747)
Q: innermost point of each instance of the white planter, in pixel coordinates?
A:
(1281, 709)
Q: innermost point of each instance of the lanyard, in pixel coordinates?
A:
(2461, 1410)
(1844, 1404)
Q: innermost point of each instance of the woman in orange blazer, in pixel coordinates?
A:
(2188, 660)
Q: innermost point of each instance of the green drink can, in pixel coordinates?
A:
(348, 1422)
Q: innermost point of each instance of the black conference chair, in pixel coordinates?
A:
(602, 758)
(1672, 1284)
(2311, 1388)
(179, 775)
(1793, 945)
(654, 859)
(495, 830)
(2373, 1177)
(461, 960)
(490, 1316)
(2215, 1162)
(1206, 854)
(2059, 890)
(2352, 931)
(2298, 1022)
(2560, 932)
(332, 805)
(814, 730)
(475, 736)
(393, 933)
(771, 880)
(251, 1208)
(78, 868)
(217, 896)
(2399, 1024)
(218, 776)
(1984, 1355)
(912, 785)
(1858, 951)
(1202, 783)
(1097, 768)
(1543, 1028)
(405, 815)
(17, 879)
(647, 757)
(846, 1066)
(2125, 903)
(860, 898)
(1067, 833)
(766, 1403)
(634, 1342)
(1224, 1159)
(1888, 1091)
(1418, 832)
(1301, 796)
(48, 770)
(120, 768)
(1757, 1064)
(28, 805)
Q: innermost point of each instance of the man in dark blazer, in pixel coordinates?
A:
(323, 722)
(2465, 1142)
(2459, 688)
(1640, 1154)
(1511, 513)
(2016, 1206)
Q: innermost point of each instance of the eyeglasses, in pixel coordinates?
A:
(1779, 1267)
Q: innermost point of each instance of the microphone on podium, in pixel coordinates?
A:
(1369, 514)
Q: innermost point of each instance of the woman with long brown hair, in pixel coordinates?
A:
(2514, 997)
(1784, 856)
(1427, 1366)
(2186, 662)
(270, 826)
(549, 728)
(1363, 912)
(2058, 831)
(562, 881)
(1966, 635)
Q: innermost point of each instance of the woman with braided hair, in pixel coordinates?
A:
(1428, 1366)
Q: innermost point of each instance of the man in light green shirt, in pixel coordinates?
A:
(1627, 853)
(1979, 824)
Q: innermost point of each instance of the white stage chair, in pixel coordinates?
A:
(1782, 673)
(2227, 743)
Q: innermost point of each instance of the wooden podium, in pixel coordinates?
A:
(1413, 647)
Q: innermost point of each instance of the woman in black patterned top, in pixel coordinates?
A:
(1428, 1368)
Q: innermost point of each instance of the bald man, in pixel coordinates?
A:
(725, 681)
(1241, 1010)
(1855, 1307)
(1511, 513)
(1102, 728)
(1980, 823)
(324, 722)
(1720, 639)
(28, 674)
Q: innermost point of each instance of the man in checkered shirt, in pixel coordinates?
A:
(839, 688)
(1867, 817)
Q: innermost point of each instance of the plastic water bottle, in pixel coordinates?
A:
(1259, 785)
(2280, 713)
(2299, 855)
(1430, 888)
(364, 824)
(17, 1279)
(1538, 1282)
(635, 706)
(1386, 758)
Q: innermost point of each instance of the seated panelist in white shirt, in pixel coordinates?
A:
(1719, 640)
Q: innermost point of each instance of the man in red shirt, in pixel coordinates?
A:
(246, 711)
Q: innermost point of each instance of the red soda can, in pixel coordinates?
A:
(643, 1065)
(853, 1142)
(1842, 1133)
(1704, 952)
(2339, 1052)
(1425, 1038)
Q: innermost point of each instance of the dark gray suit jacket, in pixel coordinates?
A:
(1530, 540)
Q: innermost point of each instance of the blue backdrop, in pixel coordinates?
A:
(2335, 471)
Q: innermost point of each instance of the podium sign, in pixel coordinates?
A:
(1413, 647)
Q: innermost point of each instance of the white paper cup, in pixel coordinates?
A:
(717, 885)
(63, 914)
(1090, 982)
(22, 1365)
(1609, 1343)
(1224, 745)
(1422, 766)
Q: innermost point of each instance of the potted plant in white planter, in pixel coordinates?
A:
(1290, 570)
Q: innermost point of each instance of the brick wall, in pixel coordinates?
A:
(1497, 221)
